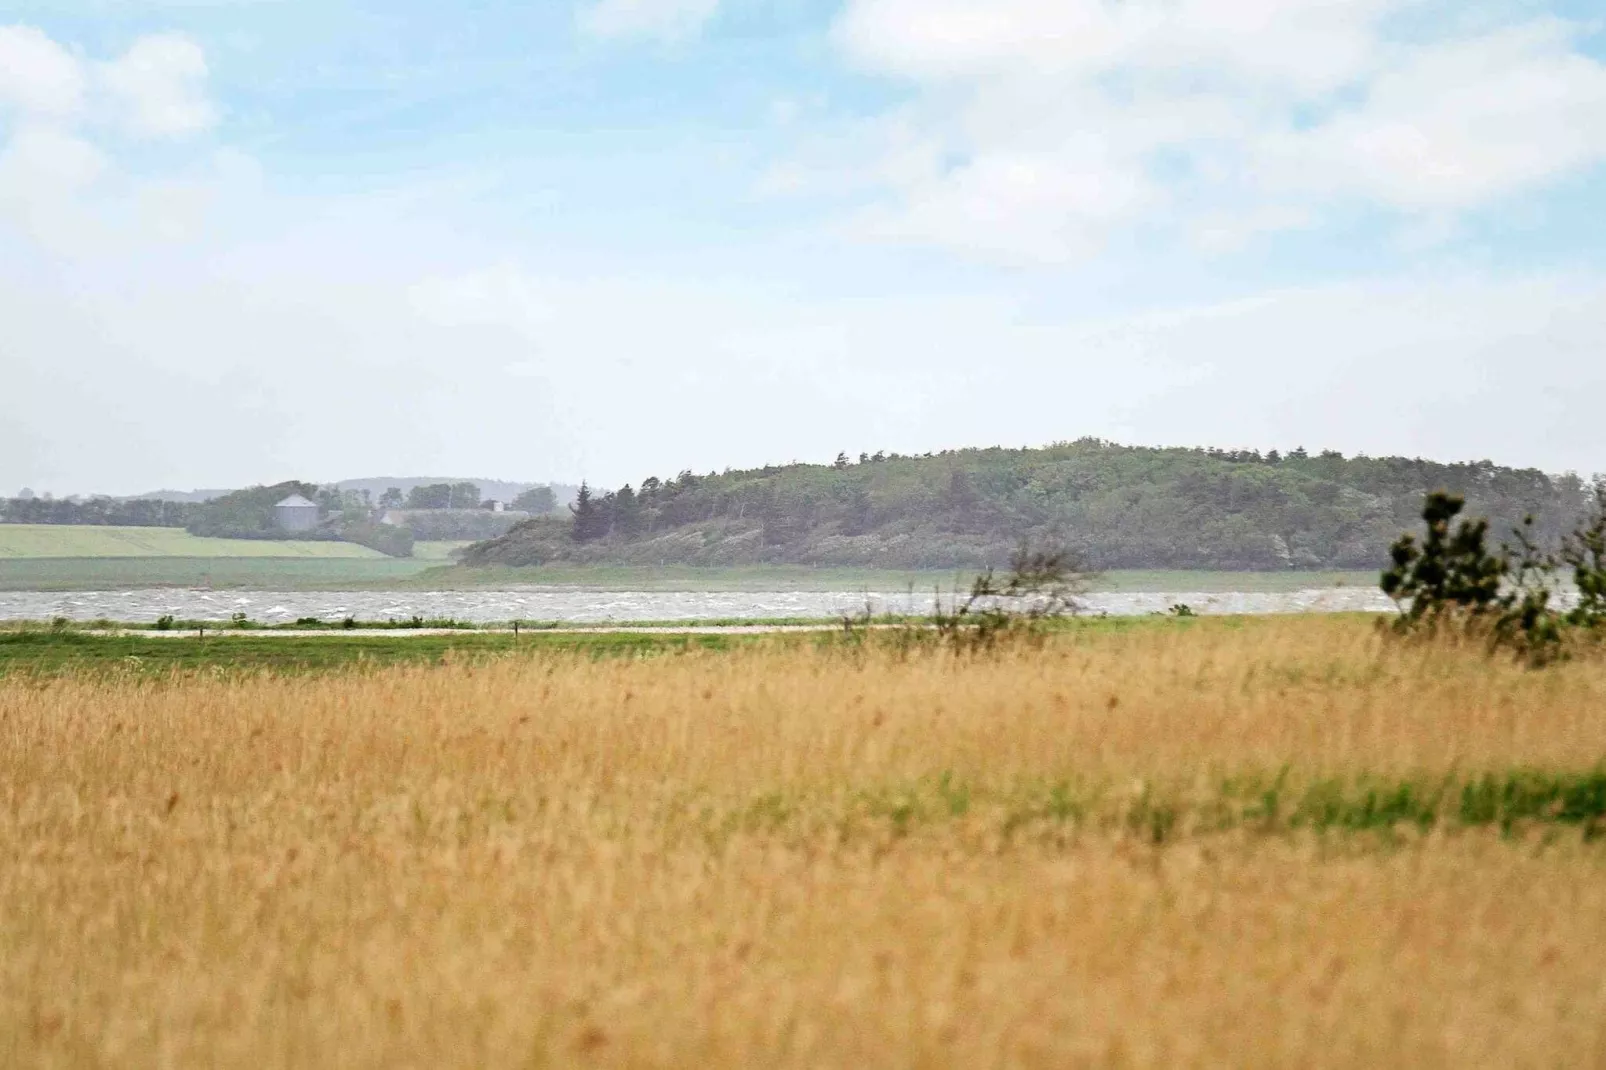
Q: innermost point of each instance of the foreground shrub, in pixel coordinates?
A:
(1042, 586)
(1585, 552)
(1449, 574)
(1451, 579)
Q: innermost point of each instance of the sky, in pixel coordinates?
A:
(244, 241)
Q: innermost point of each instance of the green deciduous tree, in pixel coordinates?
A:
(430, 496)
(537, 501)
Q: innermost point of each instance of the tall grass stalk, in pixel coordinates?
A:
(1271, 843)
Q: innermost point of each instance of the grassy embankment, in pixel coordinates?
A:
(1234, 842)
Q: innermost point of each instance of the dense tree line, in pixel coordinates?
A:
(436, 496)
(133, 513)
(537, 501)
(1114, 506)
(346, 516)
(248, 513)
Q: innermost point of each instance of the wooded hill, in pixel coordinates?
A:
(1116, 506)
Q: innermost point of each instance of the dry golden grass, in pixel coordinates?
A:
(783, 857)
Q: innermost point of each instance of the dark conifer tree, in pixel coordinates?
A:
(590, 519)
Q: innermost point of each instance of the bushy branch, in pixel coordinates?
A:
(1041, 586)
(1450, 578)
(1449, 573)
(1584, 551)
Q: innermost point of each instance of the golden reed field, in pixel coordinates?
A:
(1262, 843)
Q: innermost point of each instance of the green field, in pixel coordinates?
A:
(50, 653)
(43, 557)
(436, 551)
(23, 541)
(245, 573)
(33, 650)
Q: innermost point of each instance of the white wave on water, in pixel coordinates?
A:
(579, 606)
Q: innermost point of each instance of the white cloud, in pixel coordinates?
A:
(38, 76)
(43, 160)
(60, 179)
(535, 373)
(500, 296)
(1045, 126)
(44, 171)
(1458, 124)
(425, 358)
(1020, 205)
(159, 86)
(1228, 231)
(1308, 46)
(1468, 368)
(664, 19)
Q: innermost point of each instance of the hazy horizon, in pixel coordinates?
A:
(243, 242)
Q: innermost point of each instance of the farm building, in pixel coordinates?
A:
(296, 513)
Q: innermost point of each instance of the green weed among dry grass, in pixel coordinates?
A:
(1274, 843)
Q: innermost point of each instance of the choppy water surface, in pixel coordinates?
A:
(580, 606)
